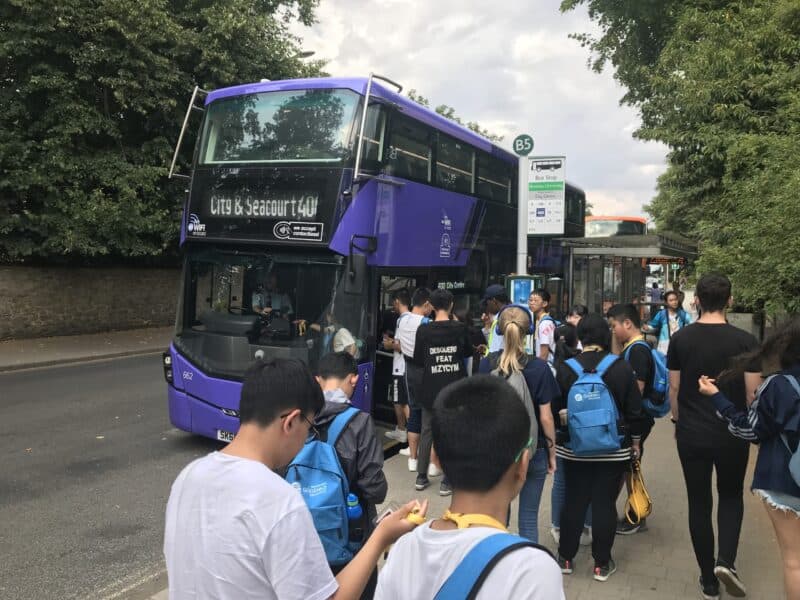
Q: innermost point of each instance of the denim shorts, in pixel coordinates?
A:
(780, 501)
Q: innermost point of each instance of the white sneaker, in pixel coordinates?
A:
(412, 465)
(405, 451)
(398, 435)
(556, 533)
(586, 537)
(434, 471)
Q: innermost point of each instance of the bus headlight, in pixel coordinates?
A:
(167, 360)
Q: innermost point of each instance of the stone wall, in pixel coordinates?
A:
(47, 301)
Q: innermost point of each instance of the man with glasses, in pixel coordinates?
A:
(236, 529)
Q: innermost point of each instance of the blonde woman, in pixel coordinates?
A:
(514, 323)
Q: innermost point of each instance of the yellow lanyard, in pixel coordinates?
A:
(464, 521)
(638, 338)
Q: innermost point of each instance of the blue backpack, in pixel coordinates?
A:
(465, 582)
(591, 411)
(317, 474)
(657, 405)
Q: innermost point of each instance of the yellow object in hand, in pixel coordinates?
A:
(415, 518)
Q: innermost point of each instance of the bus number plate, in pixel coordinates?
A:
(224, 436)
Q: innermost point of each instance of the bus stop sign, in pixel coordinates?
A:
(523, 144)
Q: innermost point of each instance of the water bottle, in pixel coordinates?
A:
(355, 519)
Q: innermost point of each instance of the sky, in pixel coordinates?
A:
(511, 67)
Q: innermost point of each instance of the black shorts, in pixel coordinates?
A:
(398, 390)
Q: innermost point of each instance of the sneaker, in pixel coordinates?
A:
(405, 451)
(730, 579)
(566, 565)
(709, 591)
(586, 537)
(399, 435)
(556, 533)
(624, 527)
(445, 489)
(434, 471)
(422, 483)
(603, 572)
(412, 465)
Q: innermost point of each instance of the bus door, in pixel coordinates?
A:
(383, 390)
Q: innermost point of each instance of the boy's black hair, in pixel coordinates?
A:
(402, 296)
(542, 293)
(713, 291)
(441, 299)
(620, 312)
(569, 333)
(420, 297)
(479, 427)
(274, 386)
(579, 310)
(593, 330)
(338, 365)
(670, 293)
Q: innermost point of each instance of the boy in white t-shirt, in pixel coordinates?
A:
(237, 530)
(486, 470)
(545, 342)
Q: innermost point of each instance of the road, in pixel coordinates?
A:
(88, 459)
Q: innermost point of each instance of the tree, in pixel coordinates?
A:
(450, 113)
(92, 99)
(717, 82)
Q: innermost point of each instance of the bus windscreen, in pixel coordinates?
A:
(275, 127)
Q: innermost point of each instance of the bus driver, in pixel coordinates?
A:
(267, 298)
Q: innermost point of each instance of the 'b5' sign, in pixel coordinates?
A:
(523, 144)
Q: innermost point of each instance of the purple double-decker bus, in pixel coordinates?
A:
(309, 201)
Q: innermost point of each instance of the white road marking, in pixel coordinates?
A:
(110, 592)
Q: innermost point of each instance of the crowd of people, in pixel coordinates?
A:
(492, 413)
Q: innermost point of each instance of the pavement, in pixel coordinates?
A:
(656, 565)
(43, 352)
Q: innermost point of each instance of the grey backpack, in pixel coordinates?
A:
(517, 381)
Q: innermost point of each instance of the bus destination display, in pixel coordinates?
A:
(296, 206)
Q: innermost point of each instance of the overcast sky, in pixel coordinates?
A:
(509, 66)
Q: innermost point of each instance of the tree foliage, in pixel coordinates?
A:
(450, 113)
(718, 81)
(92, 98)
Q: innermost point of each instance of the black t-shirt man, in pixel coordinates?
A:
(441, 348)
(707, 349)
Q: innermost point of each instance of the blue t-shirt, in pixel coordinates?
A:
(541, 384)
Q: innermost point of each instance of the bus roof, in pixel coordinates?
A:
(606, 218)
(359, 85)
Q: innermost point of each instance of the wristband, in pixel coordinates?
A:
(674, 420)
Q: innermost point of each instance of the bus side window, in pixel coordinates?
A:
(494, 179)
(454, 165)
(409, 152)
(374, 138)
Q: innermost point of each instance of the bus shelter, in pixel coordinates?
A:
(605, 271)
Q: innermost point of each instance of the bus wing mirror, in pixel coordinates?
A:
(356, 275)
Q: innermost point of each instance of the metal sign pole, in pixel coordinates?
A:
(522, 216)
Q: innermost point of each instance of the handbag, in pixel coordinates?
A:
(639, 505)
